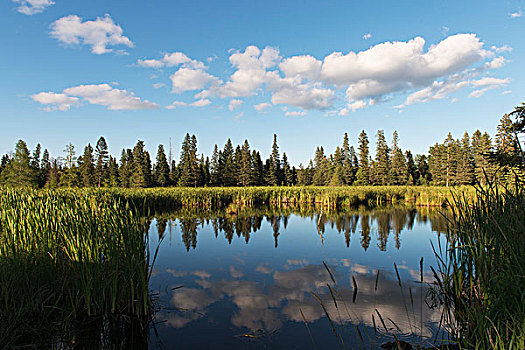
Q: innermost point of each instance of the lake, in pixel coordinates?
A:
(264, 278)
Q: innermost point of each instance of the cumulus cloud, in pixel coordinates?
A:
(170, 60)
(188, 79)
(101, 94)
(99, 34)
(367, 36)
(251, 71)
(198, 103)
(60, 102)
(295, 114)
(261, 107)
(234, 103)
(375, 75)
(486, 84)
(32, 7)
(516, 14)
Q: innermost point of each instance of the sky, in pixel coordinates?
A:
(308, 71)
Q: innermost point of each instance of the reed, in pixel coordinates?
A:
(480, 277)
(328, 197)
(68, 258)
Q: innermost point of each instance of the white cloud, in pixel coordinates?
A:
(99, 34)
(367, 36)
(234, 103)
(500, 49)
(436, 91)
(486, 84)
(496, 63)
(32, 7)
(516, 14)
(398, 66)
(251, 73)
(101, 94)
(176, 104)
(188, 79)
(506, 92)
(305, 66)
(291, 92)
(295, 113)
(201, 103)
(261, 107)
(171, 60)
(158, 85)
(60, 102)
(354, 106)
(114, 99)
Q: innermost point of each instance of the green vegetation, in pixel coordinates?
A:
(328, 197)
(73, 268)
(452, 163)
(480, 281)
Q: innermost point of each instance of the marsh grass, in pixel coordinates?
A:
(71, 263)
(480, 277)
(327, 197)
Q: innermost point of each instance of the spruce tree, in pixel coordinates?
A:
(287, 172)
(162, 169)
(102, 158)
(382, 161)
(18, 171)
(399, 170)
(274, 171)
(86, 167)
(363, 172)
(245, 165)
(465, 167)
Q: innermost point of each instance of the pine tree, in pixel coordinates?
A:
(139, 166)
(18, 171)
(214, 168)
(258, 169)
(274, 171)
(162, 169)
(245, 165)
(35, 158)
(413, 173)
(382, 162)
(321, 168)
(287, 172)
(86, 167)
(363, 172)
(399, 171)
(102, 158)
(465, 167)
(69, 177)
(124, 171)
(113, 175)
(227, 165)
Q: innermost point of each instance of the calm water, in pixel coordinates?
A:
(241, 280)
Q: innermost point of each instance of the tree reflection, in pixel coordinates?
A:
(244, 222)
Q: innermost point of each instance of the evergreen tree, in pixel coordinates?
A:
(214, 168)
(190, 170)
(139, 166)
(35, 158)
(321, 168)
(102, 158)
(18, 171)
(465, 165)
(162, 169)
(363, 172)
(287, 172)
(244, 165)
(412, 170)
(274, 170)
(423, 170)
(227, 165)
(86, 167)
(113, 175)
(399, 170)
(381, 173)
(258, 169)
(126, 167)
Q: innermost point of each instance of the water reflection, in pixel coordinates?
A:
(240, 291)
(243, 223)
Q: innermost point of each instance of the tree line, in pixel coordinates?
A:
(464, 161)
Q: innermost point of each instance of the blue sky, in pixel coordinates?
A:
(306, 70)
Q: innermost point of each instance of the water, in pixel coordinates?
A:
(241, 279)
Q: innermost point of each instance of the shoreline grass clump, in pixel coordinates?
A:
(481, 272)
(68, 260)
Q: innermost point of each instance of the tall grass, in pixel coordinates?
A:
(329, 197)
(480, 278)
(68, 259)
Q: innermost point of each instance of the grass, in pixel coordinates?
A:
(70, 264)
(328, 197)
(480, 277)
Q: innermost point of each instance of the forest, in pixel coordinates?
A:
(465, 161)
